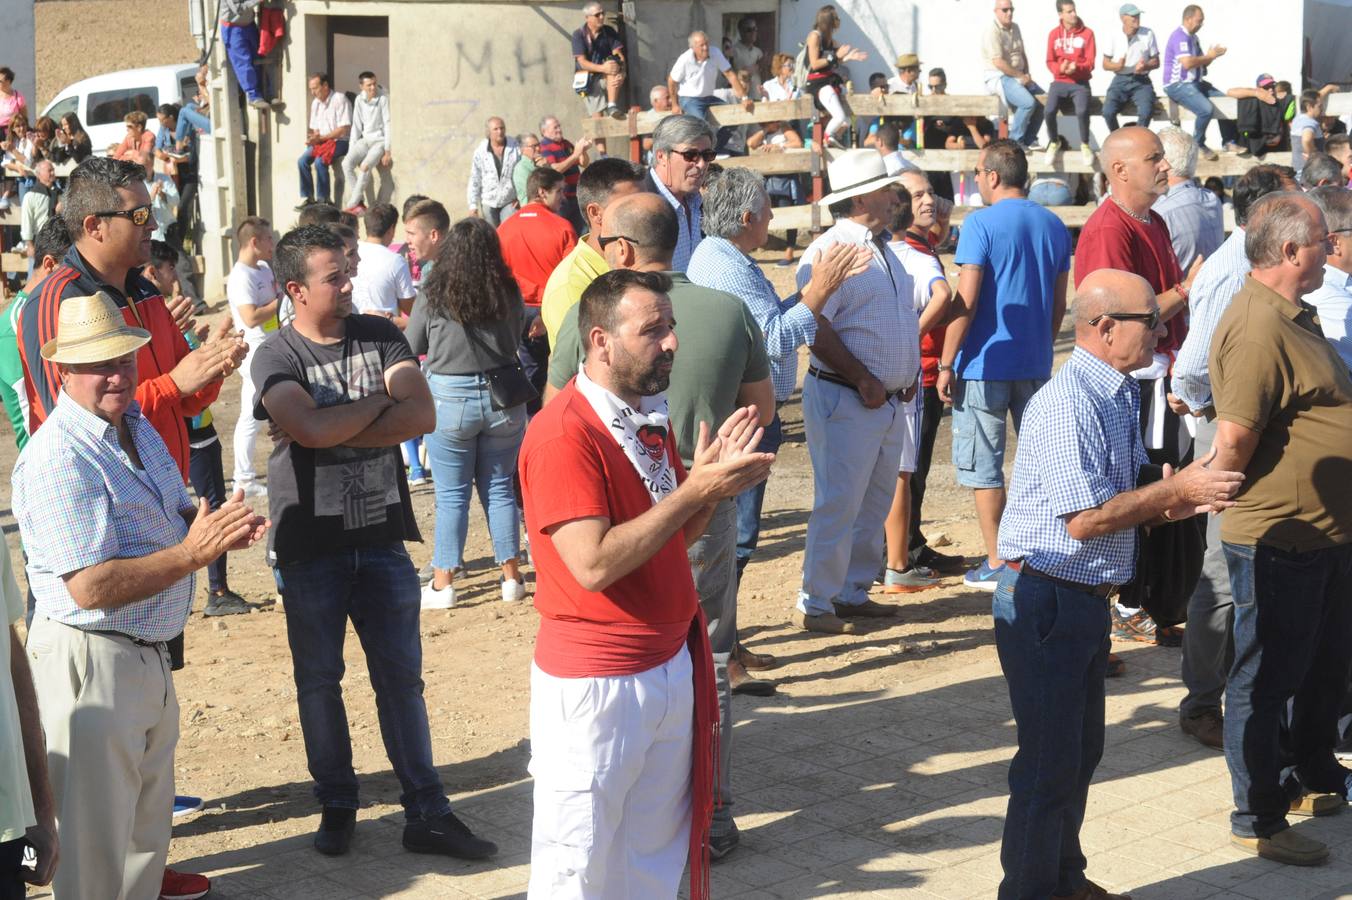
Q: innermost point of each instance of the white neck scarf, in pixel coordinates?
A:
(641, 433)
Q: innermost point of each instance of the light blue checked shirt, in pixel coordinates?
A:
(1216, 284)
(1196, 221)
(1333, 300)
(1080, 446)
(79, 501)
(787, 324)
(689, 224)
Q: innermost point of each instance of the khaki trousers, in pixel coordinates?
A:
(111, 718)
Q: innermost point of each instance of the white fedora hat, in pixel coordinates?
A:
(856, 172)
(91, 330)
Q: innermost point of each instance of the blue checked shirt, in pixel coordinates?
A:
(79, 502)
(1216, 284)
(1196, 221)
(689, 224)
(1080, 446)
(787, 324)
(1333, 300)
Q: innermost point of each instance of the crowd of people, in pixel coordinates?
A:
(597, 351)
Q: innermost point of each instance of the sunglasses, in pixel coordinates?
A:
(696, 155)
(606, 240)
(139, 216)
(1151, 319)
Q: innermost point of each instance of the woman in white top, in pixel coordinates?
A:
(781, 86)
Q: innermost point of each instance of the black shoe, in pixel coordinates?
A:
(447, 836)
(943, 563)
(720, 845)
(226, 604)
(336, 826)
(304, 203)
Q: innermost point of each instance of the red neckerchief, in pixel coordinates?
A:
(920, 242)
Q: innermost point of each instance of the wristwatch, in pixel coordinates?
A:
(945, 368)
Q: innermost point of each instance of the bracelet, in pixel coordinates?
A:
(1182, 290)
(945, 368)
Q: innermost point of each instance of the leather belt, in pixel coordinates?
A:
(844, 382)
(1104, 591)
(135, 640)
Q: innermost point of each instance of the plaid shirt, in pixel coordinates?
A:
(1216, 284)
(787, 324)
(1080, 446)
(79, 502)
(1196, 221)
(689, 224)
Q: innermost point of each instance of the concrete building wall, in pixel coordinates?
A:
(16, 47)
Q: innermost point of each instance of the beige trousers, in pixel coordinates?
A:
(111, 717)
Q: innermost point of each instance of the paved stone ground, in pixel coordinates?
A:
(880, 794)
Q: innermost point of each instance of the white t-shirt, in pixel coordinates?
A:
(895, 163)
(923, 269)
(896, 86)
(251, 286)
(773, 90)
(698, 79)
(1131, 50)
(382, 280)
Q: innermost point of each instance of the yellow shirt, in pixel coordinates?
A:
(566, 283)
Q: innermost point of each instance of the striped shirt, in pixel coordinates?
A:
(787, 324)
(80, 501)
(1216, 284)
(689, 223)
(1196, 221)
(1079, 447)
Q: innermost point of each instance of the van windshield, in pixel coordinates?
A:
(108, 107)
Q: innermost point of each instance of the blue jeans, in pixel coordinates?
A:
(750, 501)
(191, 117)
(1293, 623)
(321, 172)
(1192, 96)
(1053, 647)
(1027, 109)
(377, 587)
(979, 410)
(415, 466)
(241, 43)
(474, 444)
(1129, 88)
(698, 106)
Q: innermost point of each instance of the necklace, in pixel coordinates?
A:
(1122, 206)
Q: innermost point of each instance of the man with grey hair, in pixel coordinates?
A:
(694, 76)
(1194, 215)
(720, 366)
(1320, 170)
(1283, 401)
(598, 59)
(491, 191)
(1333, 299)
(559, 152)
(683, 147)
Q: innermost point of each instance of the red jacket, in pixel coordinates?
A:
(1076, 45)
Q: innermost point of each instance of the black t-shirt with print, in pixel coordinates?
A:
(334, 498)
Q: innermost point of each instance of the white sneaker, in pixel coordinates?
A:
(1050, 158)
(254, 489)
(513, 590)
(438, 599)
(1087, 154)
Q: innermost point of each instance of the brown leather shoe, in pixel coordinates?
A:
(743, 683)
(1092, 891)
(1310, 805)
(1116, 667)
(1206, 728)
(822, 624)
(755, 662)
(1286, 846)
(869, 609)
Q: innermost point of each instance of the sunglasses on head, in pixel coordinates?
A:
(696, 155)
(139, 215)
(1151, 319)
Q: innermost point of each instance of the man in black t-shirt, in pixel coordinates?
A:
(345, 390)
(598, 56)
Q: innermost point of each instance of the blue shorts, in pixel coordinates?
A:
(979, 410)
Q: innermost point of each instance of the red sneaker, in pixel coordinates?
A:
(183, 886)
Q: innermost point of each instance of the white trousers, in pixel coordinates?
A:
(360, 152)
(246, 428)
(611, 761)
(110, 714)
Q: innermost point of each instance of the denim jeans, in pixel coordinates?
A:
(1192, 96)
(751, 501)
(1129, 88)
(979, 411)
(698, 106)
(1293, 623)
(320, 179)
(474, 445)
(1053, 648)
(377, 588)
(1027, 109)
(190, 116)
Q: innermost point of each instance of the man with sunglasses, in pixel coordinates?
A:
(598, 58)
(683, 147)
(1069, 534)
(1283, 400)
(1333, 299)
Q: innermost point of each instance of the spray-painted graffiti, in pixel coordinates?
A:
(505, 60)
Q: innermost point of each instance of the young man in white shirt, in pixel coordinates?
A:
(382, 285)
(253, 296)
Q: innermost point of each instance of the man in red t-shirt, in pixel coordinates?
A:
(623, 706)
(534, 241)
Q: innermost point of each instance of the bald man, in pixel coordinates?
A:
(491, 193)
(1069, 534)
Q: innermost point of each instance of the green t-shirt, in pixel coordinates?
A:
(720, 348)
(524, 166)
(16, 800)
(11, 371)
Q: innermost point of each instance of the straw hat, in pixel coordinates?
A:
(906, 60)
(856, 172)
(92, 330)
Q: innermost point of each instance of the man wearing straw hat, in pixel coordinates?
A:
(113, 541)
(854, 400)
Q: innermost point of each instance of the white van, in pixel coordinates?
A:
(103, 101)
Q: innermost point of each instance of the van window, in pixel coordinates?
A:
(60, 108)
(187, 90)
(108, 107)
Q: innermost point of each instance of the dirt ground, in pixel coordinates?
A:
(241, 746)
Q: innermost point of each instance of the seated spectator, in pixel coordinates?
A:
(784, 190)
(239, 35)
(1259, 117)
(866, 127)
(72, 141)
(1216, 185)
(1131, 55)
(1307, 135)
(1320, 170)
(907, 79)
(529, 146)
(887, 143)
(370, 144)
(598, 59)
(1007, 75)
(39, 205)
(163, 196)
(195, 115)
(1050, 190)
(694, 76)
(745, 54)
(1070, 57)
(19, 153)
(659, 99)
(11, 101)
(45, 136)
(326, 138)
(382, 285)
(1340, 148)
(780, 86)
(138, 137)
